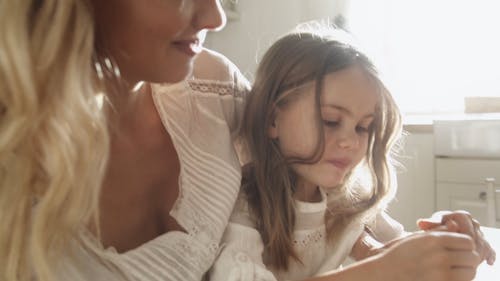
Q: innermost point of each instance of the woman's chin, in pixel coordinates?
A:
(177, 77)
(170, 76)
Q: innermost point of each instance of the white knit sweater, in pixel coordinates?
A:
(243, 255)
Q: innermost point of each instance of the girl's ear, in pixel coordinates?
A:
(272, 131)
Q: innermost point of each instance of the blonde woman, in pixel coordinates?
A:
(102, 175)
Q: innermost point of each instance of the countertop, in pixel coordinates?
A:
(422, 123)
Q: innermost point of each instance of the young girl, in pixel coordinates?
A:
(320, 127)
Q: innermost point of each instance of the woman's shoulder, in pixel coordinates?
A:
(210, 65)
(212, 73)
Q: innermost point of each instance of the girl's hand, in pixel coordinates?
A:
(430, 256)
(460, 222)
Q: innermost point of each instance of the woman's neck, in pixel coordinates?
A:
(120, 93)
(124, 102)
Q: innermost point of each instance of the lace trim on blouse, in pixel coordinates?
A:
(222, 88)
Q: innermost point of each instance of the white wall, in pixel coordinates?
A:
(416, 187)
(245, 40)
(261, 22)
(322, 9)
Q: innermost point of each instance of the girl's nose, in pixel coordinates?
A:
(209, 15)
(348, 139)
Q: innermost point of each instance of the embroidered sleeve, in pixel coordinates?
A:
(385, 228)
(241, 256)
(214, 73)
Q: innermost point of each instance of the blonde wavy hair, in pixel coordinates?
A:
(53, 134)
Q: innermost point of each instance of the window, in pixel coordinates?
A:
(432, 53)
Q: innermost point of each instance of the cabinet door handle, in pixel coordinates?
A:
(483, 195)
(490, 201)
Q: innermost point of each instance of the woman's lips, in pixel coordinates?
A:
(188, 47)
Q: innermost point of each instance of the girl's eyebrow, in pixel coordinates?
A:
(347, 111)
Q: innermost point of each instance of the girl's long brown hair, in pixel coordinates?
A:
(268, 182)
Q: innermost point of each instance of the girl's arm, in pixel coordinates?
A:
(366, 246)
(429, 256)
(382, 233)
(386, 231)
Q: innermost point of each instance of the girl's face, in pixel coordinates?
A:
(154, 40)
(348, 103)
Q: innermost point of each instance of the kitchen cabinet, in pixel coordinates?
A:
(445, 165)
(468, 166)
(461, 185)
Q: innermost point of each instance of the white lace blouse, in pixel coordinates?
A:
(202, 116)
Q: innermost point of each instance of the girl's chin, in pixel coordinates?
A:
(332, 185)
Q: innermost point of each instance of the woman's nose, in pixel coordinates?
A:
(209, 15)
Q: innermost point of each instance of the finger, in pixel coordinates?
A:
(440, 214)
(440, 218)
(454, 241)
(449, 225)
(426, 224)
(479, 232)
(464, 221)
(482, 245)
(490, 254)
(433, 221)
(464, 259)
(476, 223)
(491, 259)
(462, 274)
(482, 248)
(452, 226)
(477, 229)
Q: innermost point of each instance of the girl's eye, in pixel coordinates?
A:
(330, 123)
(362, 129)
